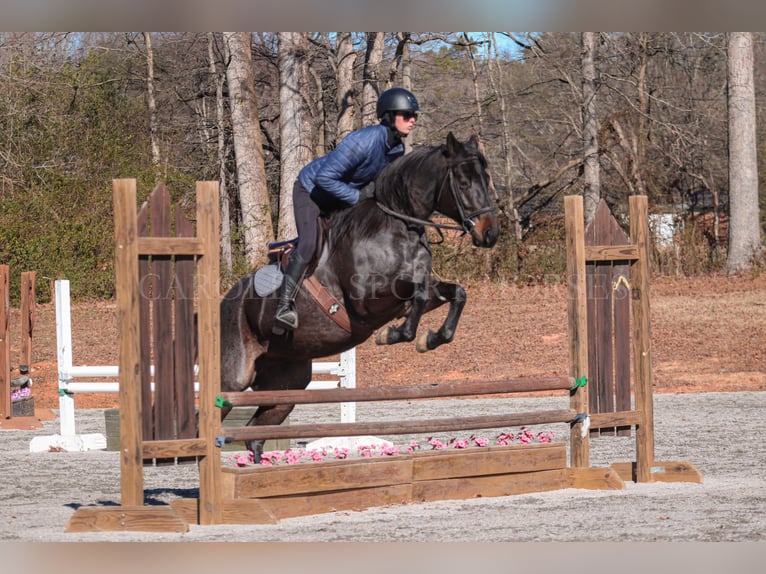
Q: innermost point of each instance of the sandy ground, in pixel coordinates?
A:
(721, 433)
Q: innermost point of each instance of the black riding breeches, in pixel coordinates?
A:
(306, 214)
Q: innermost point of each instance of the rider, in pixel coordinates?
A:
(341, 179)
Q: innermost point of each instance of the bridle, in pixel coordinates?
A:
(466, 220)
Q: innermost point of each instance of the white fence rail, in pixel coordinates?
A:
(70, 383)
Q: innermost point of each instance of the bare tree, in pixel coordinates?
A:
(591, 178)
(257, 229)
(152, 104)
(370, 87)
(744, 228)
(345, 97)
(295, 139)
(219, 77)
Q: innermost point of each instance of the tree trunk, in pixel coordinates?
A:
(256, 224)
(370, 80)
(744, 229)
(591, 176)
(295, 146)
(152, 104)
(345, 97)
(475, 79)
(219, 79)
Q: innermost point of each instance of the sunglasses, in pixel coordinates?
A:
(408, 115)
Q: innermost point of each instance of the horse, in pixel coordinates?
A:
(376, 262)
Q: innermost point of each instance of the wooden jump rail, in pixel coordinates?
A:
(27, 310)
(260, 494)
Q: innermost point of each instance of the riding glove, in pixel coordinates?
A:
(367, 192)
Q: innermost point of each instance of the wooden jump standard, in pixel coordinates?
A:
(266, 494)
(27, 312)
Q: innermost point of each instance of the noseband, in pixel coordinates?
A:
(466, 221)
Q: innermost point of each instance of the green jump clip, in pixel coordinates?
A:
(580, 382)
(220, 402)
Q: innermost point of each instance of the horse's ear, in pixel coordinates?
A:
(475, 143)
(453, 146)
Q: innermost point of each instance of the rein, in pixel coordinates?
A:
(466, 220)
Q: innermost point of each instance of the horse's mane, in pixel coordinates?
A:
(393, 188)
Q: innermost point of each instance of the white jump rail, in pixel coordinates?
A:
(70, 377)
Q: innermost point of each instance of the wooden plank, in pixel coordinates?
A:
(662, 471)
(611, 252)
(357, 499)
(235, 511)
(399, 427)
(487, 461)
(171, 448)
(594, 479)
(264, 482)
(127, 519)
(641, 337)
(600, 319)
(209, 341)
(27, 316)
(622, 359)
(577, 322)
(6, 409)
(126, 286)
(168, 246)
(489, 486)
(183, 340)
(162, 320)
(466, 388)
(618, 419)
(146, 295)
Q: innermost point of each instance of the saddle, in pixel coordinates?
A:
(269, 278)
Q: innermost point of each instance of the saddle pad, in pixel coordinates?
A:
(267, 280)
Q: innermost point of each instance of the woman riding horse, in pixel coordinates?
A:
(376, 264)
(338, 180)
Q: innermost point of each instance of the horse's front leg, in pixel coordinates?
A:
(272, 415)
(408, 329)
(441, 293)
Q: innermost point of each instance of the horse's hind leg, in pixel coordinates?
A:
(441, 293)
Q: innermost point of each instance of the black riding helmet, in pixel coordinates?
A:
(396, 100)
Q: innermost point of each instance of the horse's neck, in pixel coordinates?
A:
(418, 198)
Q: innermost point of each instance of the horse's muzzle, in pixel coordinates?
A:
(485, 231)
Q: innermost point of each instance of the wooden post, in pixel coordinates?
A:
(641, 339)
(578, 323)
(5, 346)
(27, 317)
(126, 283)
(209, 337)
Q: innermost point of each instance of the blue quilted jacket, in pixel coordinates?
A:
(334, 180)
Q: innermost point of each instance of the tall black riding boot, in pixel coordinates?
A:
(286, 316)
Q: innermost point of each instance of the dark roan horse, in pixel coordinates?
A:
(377, 262)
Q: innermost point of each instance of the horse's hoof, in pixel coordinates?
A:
(382, 337)
(422, 342)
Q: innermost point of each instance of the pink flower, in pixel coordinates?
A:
(389, 451)
(241, 460)
(504, 439)
(480, 441)
(544, 436)
(317, 454)
(462, 443)
(341, 453)
(292, 457)
(435, 443)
